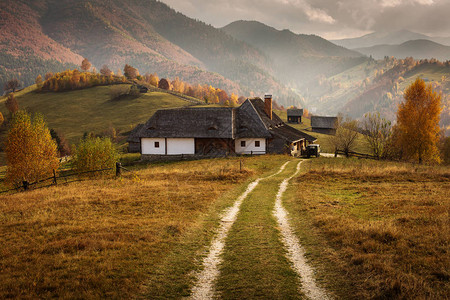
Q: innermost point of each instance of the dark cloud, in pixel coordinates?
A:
(328, 18)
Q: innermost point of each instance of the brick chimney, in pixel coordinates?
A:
(268, 105)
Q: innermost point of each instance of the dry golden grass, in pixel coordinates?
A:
(376, 229)
(102, 238)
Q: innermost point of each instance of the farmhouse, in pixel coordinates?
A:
(294, 115)
(251, 128)
(326, 125)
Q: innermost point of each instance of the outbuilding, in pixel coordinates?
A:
(294, 115)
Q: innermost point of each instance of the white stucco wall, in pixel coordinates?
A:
(250, 146)
(180, 146)
(148, 146)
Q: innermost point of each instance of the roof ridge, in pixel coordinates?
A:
(258, 113)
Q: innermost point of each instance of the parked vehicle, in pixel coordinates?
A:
(313, 150)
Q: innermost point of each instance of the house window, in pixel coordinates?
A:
(156, 144)
(257, 144)
(242, 143)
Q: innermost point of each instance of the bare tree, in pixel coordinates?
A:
(12, 85)
(346, 135)
(11, 104)
(105, 71)
(85, 65)
(376, 131)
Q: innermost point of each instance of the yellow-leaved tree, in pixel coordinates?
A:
(31, 153)
(418, 122)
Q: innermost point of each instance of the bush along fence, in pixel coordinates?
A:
(63, 179)
(354, 154)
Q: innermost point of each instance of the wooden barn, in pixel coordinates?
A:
(251, 128)
(294, 115)
(326, 125)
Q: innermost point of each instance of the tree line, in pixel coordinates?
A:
(416, 135)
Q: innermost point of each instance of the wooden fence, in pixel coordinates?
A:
(62, 179)
(354, 154)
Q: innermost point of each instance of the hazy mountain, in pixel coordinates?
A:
(419, 49)
(381, 38)
(296, 57)
(146, 34)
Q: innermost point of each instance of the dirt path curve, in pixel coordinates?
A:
(296, 253)
(204, 287)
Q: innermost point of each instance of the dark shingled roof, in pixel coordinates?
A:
(134, 134)
(247, 121)
(323, 122)
(204, 122)
(276, 126)
(295, 112)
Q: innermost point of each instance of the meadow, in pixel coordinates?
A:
(375, 230)
(108, 237)
(91, 110)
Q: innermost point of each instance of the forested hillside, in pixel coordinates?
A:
(146, 34)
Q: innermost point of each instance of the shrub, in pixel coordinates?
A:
(118, 91)
(94, 154)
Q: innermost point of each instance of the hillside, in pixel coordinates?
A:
(148, 35)
(418, 49)
(296, 57)
(384, 92)
(90, 110)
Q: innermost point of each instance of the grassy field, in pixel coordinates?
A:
(75, 112)
(118, 238)
(375, 230)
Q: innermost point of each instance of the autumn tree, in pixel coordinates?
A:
(12, 85)
(418, 122)
(1, 119)
(376, 131)
(85, 65)
(154, 79)
(39, 82)
(48, 75)
(178, 85)
(11, 104)
(31, 153)
(346, 134)
(234, 100)
(106, 71)
(130, 72)
(164, 84)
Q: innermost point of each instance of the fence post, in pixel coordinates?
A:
(25, 185)
(118, 169)
(54, 177)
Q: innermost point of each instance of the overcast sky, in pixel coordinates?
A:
(330, 19)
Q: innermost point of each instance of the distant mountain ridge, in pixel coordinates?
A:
(419, 49)
(296, 57)
(388, 38)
